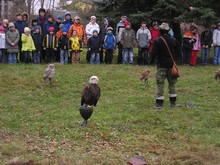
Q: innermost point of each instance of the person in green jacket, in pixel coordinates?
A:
(128, 41)
(27, 45)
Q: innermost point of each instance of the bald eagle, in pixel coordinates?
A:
(89, 99)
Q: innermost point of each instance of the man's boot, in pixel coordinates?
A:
(173, 102)
(159, 104)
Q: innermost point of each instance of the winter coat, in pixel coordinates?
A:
(206, 38)
(186, 38)
(94, 43)
(80, 31)
(27, 43)
(56, 27)
(41, 21)
(75, 43)
(12, 37)
(120, 27)
(50, 41)
(47, 25)
(143, 37)
(128, 39)
(59, 34)
(216, 37)
(154, 35)
(63, 42)
(37, 38)
(197, 44)
(90, 28)
(161, 53)
(109, 41)
(20, 25)
(67, 24)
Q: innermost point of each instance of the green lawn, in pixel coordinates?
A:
(40, 122)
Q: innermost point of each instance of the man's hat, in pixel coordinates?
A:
(164, 26)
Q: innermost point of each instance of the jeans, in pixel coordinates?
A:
(128, 55)
(12, 59)
(64, 56)
(217, 55)
(95, 58)
(36, 56)
(205, 55)
(26, 57)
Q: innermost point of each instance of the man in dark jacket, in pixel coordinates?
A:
(20, 25)
(164, 64)
(37, 38)
(206, 42)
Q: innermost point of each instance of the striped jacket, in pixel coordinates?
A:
(47, 43)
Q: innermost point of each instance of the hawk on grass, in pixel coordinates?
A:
(145, 74)
(49, 73)
(90, 96)
(217, 75)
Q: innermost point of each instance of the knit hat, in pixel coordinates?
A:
(26, 29)
(164, 26)
(64, 30)
(36, 27)
(109, 28)
(61, 26)
(34, 20)
(67, 13)
(11, 24)
(51, 29)
(94, 31)
(59, 17)
(2, 28)
(126, 23)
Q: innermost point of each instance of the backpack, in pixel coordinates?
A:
(109, 41)
(143, 41)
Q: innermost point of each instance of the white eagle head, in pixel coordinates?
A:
(94, 80)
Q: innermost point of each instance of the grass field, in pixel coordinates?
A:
(41, 123)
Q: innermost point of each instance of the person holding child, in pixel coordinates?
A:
(75, 47)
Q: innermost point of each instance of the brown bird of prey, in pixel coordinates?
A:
(145, 74)
(49, 73)
(90, 96)
(217, 75)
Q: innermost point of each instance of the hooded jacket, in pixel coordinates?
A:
(90, 28)
(27, 43)
(12, 37)
(128, 39)
(80, 31)
(143, 37)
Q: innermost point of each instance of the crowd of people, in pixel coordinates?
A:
(62, 40)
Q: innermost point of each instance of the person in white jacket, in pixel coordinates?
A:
(143, 38)
(216, 44)
(90, 27)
